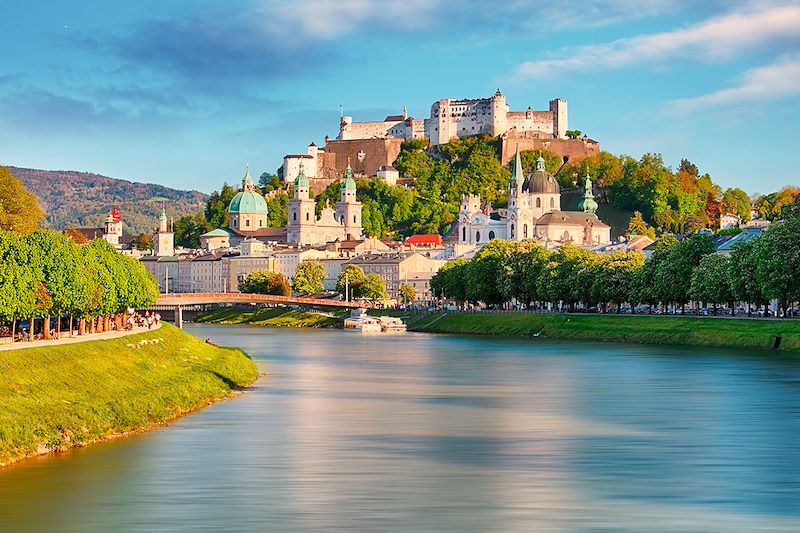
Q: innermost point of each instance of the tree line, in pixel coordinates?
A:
(757, 271)
(45, 274)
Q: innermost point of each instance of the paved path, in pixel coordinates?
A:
(5, 343)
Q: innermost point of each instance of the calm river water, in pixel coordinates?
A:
(411, 433)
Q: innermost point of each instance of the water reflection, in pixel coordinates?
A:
(423, 433)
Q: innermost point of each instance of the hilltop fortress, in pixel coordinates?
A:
(451, 118)
(372, 147)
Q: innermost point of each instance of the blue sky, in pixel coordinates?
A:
(186, 92)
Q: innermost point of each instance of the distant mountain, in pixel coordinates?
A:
(83, 199)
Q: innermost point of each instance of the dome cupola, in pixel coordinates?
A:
(248, 200)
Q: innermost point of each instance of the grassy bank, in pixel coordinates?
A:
(56, 397)
(270, 316)
(688, 331)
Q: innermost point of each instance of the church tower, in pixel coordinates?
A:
(164, 239)
(516, 200)
(588, 205)
(302, 217)
(348, 209)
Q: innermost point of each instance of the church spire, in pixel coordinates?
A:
(247, 181)
(517, 175)
(588, 204)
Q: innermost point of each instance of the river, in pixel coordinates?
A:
(353, 432)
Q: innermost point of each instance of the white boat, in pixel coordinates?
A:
(391, 324)
(360, 322)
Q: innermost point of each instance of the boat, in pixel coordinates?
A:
(360, 322)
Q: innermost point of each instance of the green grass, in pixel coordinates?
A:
(56, 397)
(269, 316)
(689, 331)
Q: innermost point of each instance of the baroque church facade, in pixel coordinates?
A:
(534, 212)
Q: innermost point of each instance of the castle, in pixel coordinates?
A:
(451, 118)
(534, 211)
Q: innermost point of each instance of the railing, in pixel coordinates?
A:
(233, 297)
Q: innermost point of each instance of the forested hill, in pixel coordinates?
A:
(77, 199)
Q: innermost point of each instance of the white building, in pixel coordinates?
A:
(729, 220)
(534, 211)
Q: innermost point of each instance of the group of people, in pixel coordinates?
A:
(141, 320)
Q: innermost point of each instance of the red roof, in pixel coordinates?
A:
(424, 240)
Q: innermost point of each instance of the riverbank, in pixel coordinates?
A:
(56, 397)
(747, 334)
(271, 316)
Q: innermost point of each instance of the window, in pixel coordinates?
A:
(538, 202)
(524, 231)
(463, 234)
(294, 216)
(307, 215)
(341, 219)
(354, 219)
(477, 236)
(491, 235)
(512, 231)
(552, 203)
(247, 222)
(260, 223)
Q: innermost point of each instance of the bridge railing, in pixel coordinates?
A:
(233, 297)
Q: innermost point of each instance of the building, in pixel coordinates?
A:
(534, 211)
(729, 220)
(342, 223)
(399, 268)
(163, 238)
(450, 118)
(389, 174)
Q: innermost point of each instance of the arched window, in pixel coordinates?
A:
(512, 231)
(566, 236)
(552, 203)
(477, 236)
(538, 202)
(341, 219)
(260, 223)
(464, 234)
(524, 231)
(491, 235)
(294, 216)
(247, 222)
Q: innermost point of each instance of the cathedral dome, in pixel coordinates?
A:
(541, 181)
(247, 200)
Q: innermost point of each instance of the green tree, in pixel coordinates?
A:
(778, 261)
(711, 280)
(736, 201)
(615, 280)
(574, 134)
(188, 230)
(681, 262)
(265, 282)
(744, 283)
(373, 287)
(525, 265)
(17, 281)
(487, 273)
(19, 209)
(637, 226)
(351, 279)
(278, 210)
(308, 277)
(217, 206)
(406, 293)
(450, 281)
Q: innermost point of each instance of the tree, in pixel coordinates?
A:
(265, 282)
(17, 280)
(737, 202)
(308, 277)
(615, 281)
(487, 272)
(450, 281)
(711, 280)
(188, 229)
(406, 293)
(682, 260)
(744, 284)
(573, 134)
(778, 261)
(637, 226)
(19, 209)
(76, 236)
(278, 210)
(373, 287)
(142, 242)
(217, 206)
(350, 279)
(525, 265)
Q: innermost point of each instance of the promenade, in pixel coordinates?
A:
(6, 344)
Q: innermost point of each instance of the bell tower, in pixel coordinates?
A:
(302, 217)
(348, 209)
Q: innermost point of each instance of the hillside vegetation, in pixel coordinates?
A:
(57, 397)
(83, 199)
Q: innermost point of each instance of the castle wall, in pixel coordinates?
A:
(536, 121)
(575, 149)
(366, 156)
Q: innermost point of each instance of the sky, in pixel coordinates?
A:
(185, 93)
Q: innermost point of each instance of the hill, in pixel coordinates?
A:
(83, 199)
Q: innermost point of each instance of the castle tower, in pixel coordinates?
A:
(499, 113)
(302, 217)
(348, 209)
(163, 239)
(559, 109)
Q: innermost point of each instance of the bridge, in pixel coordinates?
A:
(180, 300)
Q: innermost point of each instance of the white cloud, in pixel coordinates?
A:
(772, 82)
(718, 38)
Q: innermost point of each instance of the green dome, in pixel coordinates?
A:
(349, 182)
(301, 180)
(248, 202)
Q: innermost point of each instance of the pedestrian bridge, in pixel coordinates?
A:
(180, 300)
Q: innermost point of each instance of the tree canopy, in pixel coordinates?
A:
(19, 209)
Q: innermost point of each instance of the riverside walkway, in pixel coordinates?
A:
(6, 344)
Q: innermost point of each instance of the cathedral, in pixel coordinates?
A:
(534, 212)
